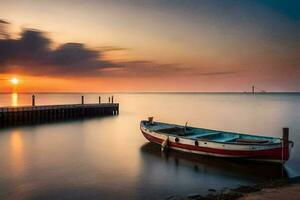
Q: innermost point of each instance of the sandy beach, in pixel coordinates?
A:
(271, 190)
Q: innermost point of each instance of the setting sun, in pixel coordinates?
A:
(14, 81)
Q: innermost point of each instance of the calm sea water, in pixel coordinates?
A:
(108, 158)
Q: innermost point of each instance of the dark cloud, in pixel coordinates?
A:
(112, 48)
(3, 29)
(3, 21)
(33, 53)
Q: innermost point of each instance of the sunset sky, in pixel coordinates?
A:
(167, 45)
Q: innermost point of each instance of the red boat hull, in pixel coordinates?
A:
(276, 154)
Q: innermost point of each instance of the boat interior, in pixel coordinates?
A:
(209, 135)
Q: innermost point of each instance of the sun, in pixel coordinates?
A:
(14, 81)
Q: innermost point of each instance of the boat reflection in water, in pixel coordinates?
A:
(223, 168)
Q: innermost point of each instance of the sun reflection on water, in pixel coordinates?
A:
(17, 153)
(14, 99)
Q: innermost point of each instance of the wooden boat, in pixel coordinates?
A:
(217, 143)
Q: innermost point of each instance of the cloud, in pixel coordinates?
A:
(3, 22)
(217, 73)
(112, 48)
(33, 54)
(3, 28)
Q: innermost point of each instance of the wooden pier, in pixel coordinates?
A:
(12, 116)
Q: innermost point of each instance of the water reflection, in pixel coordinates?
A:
(17, 152)
(216, 166)
(14, 99)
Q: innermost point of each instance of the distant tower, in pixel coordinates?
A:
(253, 89)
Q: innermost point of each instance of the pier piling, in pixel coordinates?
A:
(82, 100)
(33, 100)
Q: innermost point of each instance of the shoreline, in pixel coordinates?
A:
(272, 189)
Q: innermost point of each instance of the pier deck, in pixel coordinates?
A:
(11, 116)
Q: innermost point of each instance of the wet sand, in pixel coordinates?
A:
(290, 192)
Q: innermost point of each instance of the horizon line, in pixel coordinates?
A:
(159, 92)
